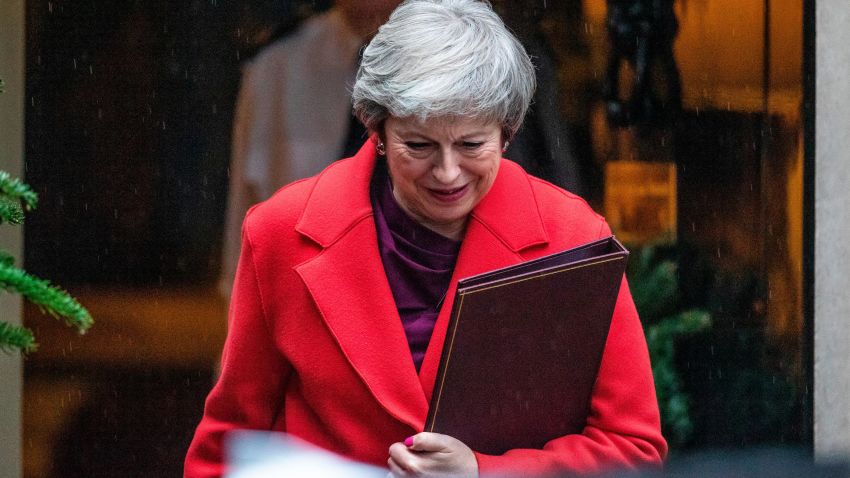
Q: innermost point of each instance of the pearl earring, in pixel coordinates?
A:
(382, 150)
(505, 147)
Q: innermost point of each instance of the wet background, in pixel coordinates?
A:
(128, 130)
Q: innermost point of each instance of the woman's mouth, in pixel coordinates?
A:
(449, 195)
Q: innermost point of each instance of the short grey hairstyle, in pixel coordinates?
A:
(444, 58)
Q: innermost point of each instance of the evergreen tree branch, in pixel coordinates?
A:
(14, 189)
(673, 403)
(14, 337)
(50, 299)
(655, 290)
(6, 258)
(10, 211)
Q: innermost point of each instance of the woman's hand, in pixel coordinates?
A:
(432, 454)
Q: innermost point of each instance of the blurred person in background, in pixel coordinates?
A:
(293, 113)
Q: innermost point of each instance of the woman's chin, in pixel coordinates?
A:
(446, 219)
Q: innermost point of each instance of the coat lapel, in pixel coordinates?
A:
(350, 289)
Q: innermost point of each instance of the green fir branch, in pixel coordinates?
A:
(15, 337)
(50, 299)
(656, 294)
(661, 340)
(6, 258)
(654, 284)
(15, 189)
(10, 211)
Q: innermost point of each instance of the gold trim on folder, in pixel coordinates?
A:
(448, 359)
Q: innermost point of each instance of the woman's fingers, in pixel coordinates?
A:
(396, 471)
(404, 458)
(426, 441)
(432, 454)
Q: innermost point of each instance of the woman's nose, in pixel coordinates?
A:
(446, 168)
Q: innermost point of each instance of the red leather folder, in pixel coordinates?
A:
(523, 348)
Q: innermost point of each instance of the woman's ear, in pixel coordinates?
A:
(378, 134)
(505, 140)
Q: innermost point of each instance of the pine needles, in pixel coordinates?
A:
(15, 198)
(14, 190)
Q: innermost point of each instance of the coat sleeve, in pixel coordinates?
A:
(623, 428)
(248, 393)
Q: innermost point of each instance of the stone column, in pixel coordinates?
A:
(832, 230)
(11, 160)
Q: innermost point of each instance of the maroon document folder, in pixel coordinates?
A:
(523, 349)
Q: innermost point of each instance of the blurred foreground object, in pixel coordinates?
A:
(255, 454)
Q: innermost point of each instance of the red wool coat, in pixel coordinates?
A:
(316, 347)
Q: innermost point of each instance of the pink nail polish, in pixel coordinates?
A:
(408, 441)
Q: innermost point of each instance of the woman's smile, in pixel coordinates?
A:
(449, 195)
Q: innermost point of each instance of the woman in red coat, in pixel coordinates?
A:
(338, 315)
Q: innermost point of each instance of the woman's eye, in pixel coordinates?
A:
(417, 146)
(472, 144)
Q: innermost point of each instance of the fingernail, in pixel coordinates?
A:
(408, 441)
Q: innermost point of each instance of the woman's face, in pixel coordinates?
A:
(441, 168)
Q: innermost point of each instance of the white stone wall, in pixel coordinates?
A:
(11, 156)
(832, 230)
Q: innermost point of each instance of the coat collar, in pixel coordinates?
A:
(340, 198)
(351, 290)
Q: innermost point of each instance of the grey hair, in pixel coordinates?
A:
(444, 58)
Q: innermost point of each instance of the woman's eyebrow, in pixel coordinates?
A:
(407, 133)
(478, 135)
(410, 132)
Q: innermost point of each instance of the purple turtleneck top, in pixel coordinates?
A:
(418, 263)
